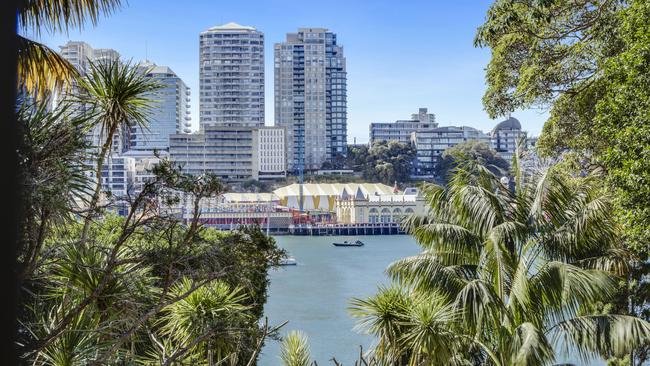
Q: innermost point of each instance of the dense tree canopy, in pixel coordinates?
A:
(589, 63)
(507, 276)
(385, 161)
(472, 150)
(147, 288)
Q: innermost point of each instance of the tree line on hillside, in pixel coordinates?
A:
(384, 161)
(392, 161)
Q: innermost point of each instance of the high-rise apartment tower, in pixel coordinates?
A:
(231, 71)
(311, 97)
(170, 113)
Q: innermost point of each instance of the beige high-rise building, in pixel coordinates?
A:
(231, 76)
(79, 54)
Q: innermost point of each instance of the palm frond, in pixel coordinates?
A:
(595, 335)
(62, 15)
(614, 260)
(120, 92)
(449, 236)
(203, 309)
(384, 316)
(479, 304)
(560, 289)
(530, 347)
(425, 272)
(41, 70)
(295, 350)
(429, 331)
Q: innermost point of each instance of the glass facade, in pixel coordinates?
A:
(170, 113)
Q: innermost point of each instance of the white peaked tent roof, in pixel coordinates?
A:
(335, 189)
(249, 197)
(231, 26)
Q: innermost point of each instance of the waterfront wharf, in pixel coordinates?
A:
(385, 228)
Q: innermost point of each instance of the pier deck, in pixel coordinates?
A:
(346, 229)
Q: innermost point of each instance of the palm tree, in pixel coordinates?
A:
(203, 326)
(295, 350)
(520, 266)
(403, 321)
(119, 95)
(41, 69)
(52, 173)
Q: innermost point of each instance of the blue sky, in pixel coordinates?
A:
(401, 55)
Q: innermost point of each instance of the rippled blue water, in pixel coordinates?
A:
(314, 295)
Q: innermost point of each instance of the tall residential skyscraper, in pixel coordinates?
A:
(80, 53)
(311, 97)
(171, 112)
(231, 84)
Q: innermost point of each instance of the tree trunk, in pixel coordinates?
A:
(94, 201)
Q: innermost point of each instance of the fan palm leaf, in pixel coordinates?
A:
(521, 267)
(40, 69)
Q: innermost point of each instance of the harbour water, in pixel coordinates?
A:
(314, 295)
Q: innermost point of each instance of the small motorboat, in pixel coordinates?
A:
(357, 243)
(289, 261)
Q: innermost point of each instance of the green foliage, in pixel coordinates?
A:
(542, 49)
(506, 277)
(383, 162)
(339, 161)
(476, 151)
(209, 310)
(621, 125)
(51, 171)
(168, 298)
(145, 288)
(254, 185)
(118, 97)
(295, 350)
(41, 70)
(589, 63)
(100, 289)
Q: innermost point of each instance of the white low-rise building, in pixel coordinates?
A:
(269, 146)
(505, 137)
(358, 208)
